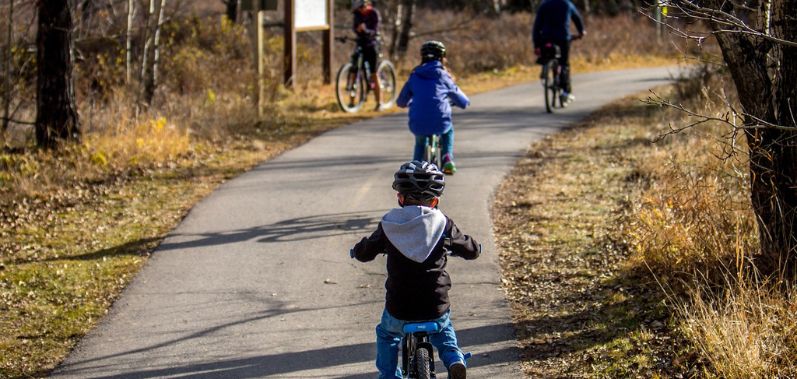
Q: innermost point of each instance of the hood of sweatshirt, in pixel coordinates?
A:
(430, 70)
(414, 230)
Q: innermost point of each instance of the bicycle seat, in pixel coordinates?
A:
(427, 327)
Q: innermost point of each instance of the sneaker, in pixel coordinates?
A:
(567, 97)
(457, 371)
(449, 168)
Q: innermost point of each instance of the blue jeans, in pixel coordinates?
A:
(388, 341)
(446, 146)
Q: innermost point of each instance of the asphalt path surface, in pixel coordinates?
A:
(257, 280)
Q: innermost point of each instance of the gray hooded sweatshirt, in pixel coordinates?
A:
(414, 230)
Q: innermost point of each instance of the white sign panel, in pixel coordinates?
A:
(310, 14)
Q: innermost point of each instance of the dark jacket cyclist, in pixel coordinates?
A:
(366, 26)
(552, 25)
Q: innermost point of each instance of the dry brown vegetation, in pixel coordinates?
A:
(627, 254)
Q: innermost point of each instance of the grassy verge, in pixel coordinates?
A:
(578, 312)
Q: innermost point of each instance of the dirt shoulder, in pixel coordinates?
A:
(580, 310)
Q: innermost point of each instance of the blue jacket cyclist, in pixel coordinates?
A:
(552, 25)
(430, 93)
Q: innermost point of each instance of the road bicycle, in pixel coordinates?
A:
(354, 82)
(417, 353)
(551, 76)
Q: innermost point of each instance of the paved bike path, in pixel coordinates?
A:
(257, 281)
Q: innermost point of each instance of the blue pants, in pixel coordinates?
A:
(446, 146)
(388, 340)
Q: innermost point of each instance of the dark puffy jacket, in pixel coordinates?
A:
(417, 241)
(552, 22)
(429, 92)
(368, 37)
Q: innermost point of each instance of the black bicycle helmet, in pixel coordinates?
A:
(419, 180)
(432, 50)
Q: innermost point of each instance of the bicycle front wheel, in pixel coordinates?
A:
(349, 89)
(422, 363)
(387, 83)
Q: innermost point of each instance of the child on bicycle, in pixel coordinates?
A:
(417, 238)
(429, 92)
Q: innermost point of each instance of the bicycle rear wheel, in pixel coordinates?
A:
(550, 85)
(349, 88)
(387, 83)
(422, 363)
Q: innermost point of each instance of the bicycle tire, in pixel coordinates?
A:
(550, 85)
(350, 96)
(422, 363)
(386, 73)
(437, 153)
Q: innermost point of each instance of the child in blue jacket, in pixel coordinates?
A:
(430, 92)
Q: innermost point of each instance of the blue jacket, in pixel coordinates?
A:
(429, 92)
(552, 22)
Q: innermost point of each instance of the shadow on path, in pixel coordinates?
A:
(290, 230)
(286, 363)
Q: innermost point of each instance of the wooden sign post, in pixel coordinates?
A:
(306, 16)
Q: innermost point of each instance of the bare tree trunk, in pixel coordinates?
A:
(231, 10)
(394, 32)
(147, 41)
(9, 60)
(129, 40)
(767, 93)
(56, 117)
(151, 81)
(407, 11)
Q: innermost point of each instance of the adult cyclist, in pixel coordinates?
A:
(552, 25)
(366, 26)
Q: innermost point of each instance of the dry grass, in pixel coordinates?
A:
(578, 312)
(748, 332)
(487, 44)
(694, 229)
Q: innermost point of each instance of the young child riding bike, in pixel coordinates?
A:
(429, 92)
(417, 238)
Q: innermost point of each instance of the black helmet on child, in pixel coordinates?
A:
(432, 50)
(419, 180)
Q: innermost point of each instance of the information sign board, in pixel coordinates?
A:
(311, 15)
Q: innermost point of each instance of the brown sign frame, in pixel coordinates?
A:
(290, 31)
